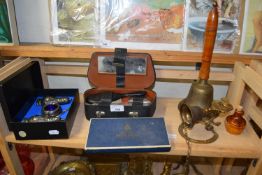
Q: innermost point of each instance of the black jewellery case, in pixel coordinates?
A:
(122, 85)
(20, 95)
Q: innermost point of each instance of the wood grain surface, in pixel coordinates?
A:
(84, 54)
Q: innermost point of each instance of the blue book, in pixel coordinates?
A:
(125, 135)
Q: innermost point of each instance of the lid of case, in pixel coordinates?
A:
(125, 135)
(19, 87)
(121, 70)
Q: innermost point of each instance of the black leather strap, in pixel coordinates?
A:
(119, 62)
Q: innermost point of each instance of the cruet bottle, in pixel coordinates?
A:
(235, 123)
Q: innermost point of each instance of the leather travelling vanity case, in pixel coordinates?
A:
(122, 85)
(30, 110)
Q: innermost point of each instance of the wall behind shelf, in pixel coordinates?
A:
(163, 89)
(34, 27)
(32, 21)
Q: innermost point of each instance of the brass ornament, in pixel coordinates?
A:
(183, 130)
(148, 167)
(107, 168)
(207, 118)
(139, 167)
(223, 105)
(40, 118)
(167, 168)
(200, 94)
(78, 167)
(131, 167)
(51, 110)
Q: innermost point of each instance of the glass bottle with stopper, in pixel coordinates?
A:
(235, 123)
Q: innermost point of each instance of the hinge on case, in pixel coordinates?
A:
(133, 114)
(99, 114)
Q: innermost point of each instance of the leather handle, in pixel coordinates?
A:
(209, 42)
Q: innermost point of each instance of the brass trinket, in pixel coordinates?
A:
(78, 167)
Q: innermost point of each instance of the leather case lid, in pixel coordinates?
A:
(132, 81)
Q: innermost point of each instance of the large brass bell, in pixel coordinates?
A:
(200, 97)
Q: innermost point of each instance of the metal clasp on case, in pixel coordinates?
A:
(99, 114)
(133, 114)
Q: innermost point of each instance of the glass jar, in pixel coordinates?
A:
(235, 123)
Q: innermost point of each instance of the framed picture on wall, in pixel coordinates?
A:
(142, 24)
(228, 26)
(8, 30)
(74, 22)
(251, 41)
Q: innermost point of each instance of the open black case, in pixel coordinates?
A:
(20, 93)
(122, 85)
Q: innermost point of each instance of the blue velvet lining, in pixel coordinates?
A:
(37, 109)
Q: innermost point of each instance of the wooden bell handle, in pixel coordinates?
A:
(209, 42)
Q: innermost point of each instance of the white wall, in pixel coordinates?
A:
(163, 89)
(32, 20)
(33, 27)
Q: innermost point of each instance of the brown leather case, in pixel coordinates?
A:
(104, 83)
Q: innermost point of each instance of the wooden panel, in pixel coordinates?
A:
(249, 99)
(43, 73)
(49, 51)
(192, 75)
(13, 67)
(8, 66)
(10, 156)
(52, 160)
(252, 77)
(160, 73)
(217, 163)
(66, 70)
(255, 170)
(255, 114)
(20, 62)
(253, 80)
(236, 87)
(252, 98)
(40, 161)
(1, 63)
(257, 66)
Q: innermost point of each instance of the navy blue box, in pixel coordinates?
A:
(18, 95)
(125, 135)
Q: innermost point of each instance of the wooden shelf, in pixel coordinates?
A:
(76, 53)
(246, 145)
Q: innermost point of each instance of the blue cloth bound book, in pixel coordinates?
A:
(125, 135)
